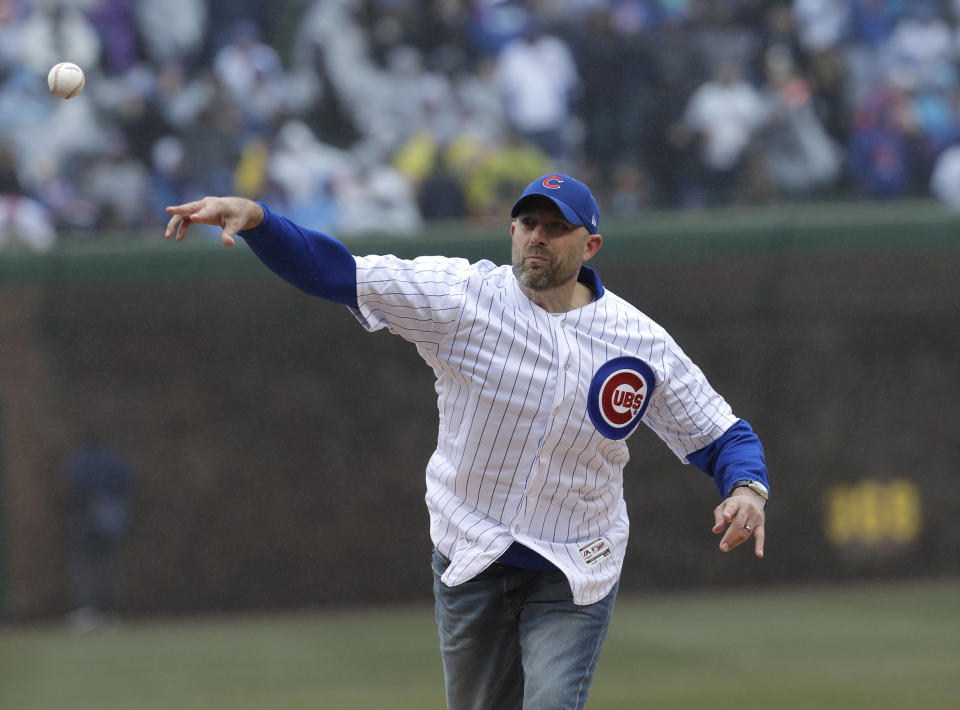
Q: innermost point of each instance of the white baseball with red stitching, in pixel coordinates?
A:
(66, 80)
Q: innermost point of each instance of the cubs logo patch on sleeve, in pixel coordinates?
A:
(619, 394)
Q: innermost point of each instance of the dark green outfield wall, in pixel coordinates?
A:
(281, 448)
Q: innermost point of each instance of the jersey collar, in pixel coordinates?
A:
(591, 280)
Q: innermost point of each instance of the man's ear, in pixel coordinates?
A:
(594, 242)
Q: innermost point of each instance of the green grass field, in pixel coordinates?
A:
(849, 648)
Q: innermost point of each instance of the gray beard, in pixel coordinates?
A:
(555, 275)
(538, 281)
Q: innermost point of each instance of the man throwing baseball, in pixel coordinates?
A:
(541, 375)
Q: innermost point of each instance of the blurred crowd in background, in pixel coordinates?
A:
(375, 115)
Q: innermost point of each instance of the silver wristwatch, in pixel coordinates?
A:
(755, 486)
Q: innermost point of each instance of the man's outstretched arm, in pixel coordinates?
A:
(313, 262)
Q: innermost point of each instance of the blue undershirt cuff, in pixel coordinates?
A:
(736, 456)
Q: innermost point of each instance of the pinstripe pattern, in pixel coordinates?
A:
(517, 456)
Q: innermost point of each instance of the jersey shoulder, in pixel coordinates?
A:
(448, 268)
(630, 319)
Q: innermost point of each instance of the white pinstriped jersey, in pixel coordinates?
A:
(518, 457)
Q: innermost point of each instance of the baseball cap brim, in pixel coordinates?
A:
(566, 210)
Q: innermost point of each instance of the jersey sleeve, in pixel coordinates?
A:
(312, 261)
(685, 411)
(418, 299)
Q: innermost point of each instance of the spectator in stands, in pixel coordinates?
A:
(879, 151)
(630, 190)
(114, 23)
(931, 124)
(493, 24)
(24, 112)
(432, 23)
(722, 117)
(440, 194)
(490, 174)
(24, 222)
(119, 183)
(375, 196)
(821, 25)
(721, 38)
(12, 18)
(138, 115)
(171, 29)
(54, 30)
(213, 141)
(478, 104)
(920, 48)
(9, 181)
(414, 99)
(183, 97)
(251, 73)
(537, 79)
(945, 177)
(57, 186)
(677, 70)
(169, 179)
(619, 88)
(305, 171)
(332, 189)
(798, 155)
(357, 96)
(872, 23)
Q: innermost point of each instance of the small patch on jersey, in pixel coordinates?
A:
(595, 550)
(619, 394)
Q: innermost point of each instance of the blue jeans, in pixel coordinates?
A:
(513, 639)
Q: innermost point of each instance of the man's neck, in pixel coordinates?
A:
(567, 297)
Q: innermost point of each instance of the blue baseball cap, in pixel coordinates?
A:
(572, 198)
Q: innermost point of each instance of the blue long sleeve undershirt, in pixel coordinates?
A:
(312, 261)
(736, 456)
(322, 266)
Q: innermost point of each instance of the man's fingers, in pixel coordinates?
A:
(176, 227)
(730, 509)
(738, 518)
(172, 225)
(181, 217)
(719, 519)
(230, 214)
(209, 210)
(723, 514)
(759, 537)
(736, 534)
(185, 208)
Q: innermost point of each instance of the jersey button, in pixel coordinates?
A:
(567, 366)
(556, 411)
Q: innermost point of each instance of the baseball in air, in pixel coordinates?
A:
(66, 80)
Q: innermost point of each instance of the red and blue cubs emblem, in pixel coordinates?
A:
(619, 394)
(553, 182)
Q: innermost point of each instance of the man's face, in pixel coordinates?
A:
(547, 250)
